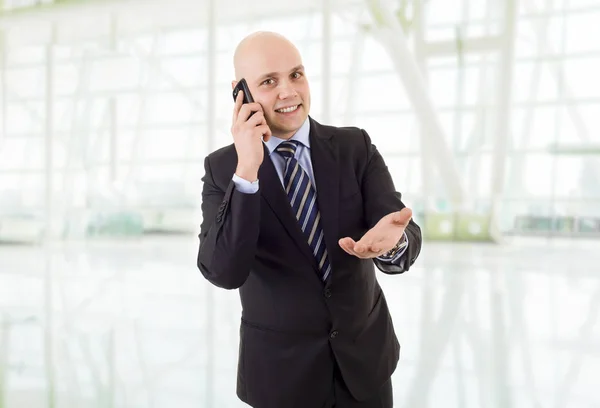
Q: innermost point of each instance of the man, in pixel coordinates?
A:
(296, 214)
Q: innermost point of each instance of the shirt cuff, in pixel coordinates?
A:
(245, 186)
(394, 259)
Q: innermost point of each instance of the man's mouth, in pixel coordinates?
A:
(288, 109)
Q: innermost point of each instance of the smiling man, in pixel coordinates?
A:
(297, 215)
(282, 90)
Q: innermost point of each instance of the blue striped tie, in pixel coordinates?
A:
(303, 199)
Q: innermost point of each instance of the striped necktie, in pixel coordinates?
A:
(303, 199)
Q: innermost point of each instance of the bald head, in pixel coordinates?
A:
(276, 78)
(257, 46)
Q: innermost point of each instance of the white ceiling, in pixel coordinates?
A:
(92, 17)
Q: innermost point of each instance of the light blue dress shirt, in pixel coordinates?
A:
(303, 157)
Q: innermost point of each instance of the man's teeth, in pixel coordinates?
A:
(287, 110)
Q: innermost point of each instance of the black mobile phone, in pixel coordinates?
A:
(243, 86)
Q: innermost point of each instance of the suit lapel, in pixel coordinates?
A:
(324, 157)
(325, 161)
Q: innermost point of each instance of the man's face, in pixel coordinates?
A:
(277, 81)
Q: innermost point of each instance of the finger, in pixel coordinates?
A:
(378, 246)
(263, 129)
(347, 249)
(369, 255)
(365, 243)
(354, 253)
(364, 249)
(370, 248)
(365, 254)
(267, 136)
(351, 251)
(239, 99)
(347, 244)
(257, 119)
(360, 247)
(247, 109)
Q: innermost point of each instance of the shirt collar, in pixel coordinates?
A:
(301, 136)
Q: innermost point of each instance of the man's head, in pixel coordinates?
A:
(273, 68)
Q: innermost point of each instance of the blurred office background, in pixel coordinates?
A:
(487, 113)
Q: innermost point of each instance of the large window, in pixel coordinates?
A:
(128, 104)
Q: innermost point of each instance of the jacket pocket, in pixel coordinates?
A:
(266, 329)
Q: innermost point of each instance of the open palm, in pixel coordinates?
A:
(381, 238)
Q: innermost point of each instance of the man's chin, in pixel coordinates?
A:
(284, 127)
(284, 132)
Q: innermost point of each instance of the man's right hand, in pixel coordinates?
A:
(248, 133)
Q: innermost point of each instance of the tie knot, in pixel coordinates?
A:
(287, 149)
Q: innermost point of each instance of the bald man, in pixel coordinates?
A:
(297, 215)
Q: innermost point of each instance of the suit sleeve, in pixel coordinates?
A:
(380, 199)
(228, 233)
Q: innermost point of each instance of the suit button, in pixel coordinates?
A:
(219, 218)
(327, 293)
(333, 334)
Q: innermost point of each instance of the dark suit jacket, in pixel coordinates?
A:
(294, 327)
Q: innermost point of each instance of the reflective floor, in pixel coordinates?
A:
(132, 323)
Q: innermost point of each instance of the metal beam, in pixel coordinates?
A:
(211, 131)
(49, 344)
(391, 35)
(48, 135)
(3, 83)
(459, 101)
(326, 42)
(504, 112)
(113, 111)
(427, 174)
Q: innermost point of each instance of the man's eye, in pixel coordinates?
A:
(268, 81)
(296, 75)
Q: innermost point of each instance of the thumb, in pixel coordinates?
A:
(403, 216)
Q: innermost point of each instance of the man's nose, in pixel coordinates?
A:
(287, 91)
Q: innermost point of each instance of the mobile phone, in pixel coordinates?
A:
(242, 85)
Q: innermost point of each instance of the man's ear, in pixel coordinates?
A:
(233, 84)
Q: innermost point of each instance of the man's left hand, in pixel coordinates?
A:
(381, 238)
